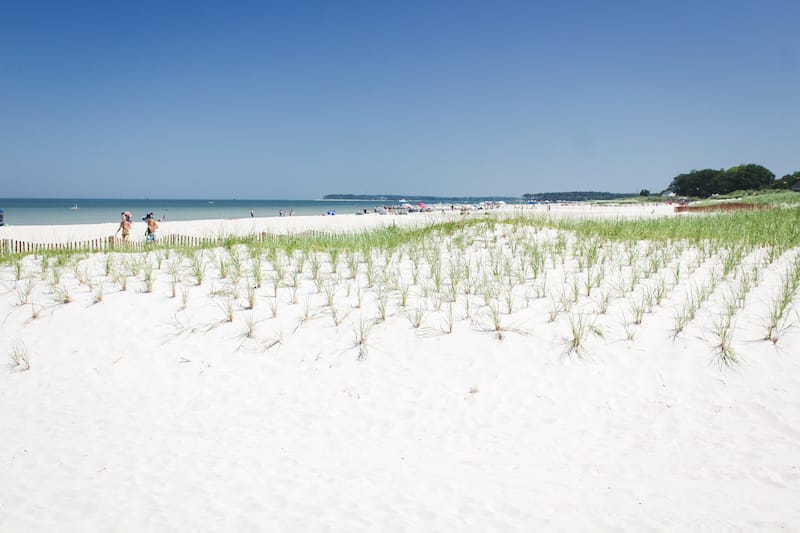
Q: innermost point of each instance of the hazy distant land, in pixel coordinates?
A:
(573, 196)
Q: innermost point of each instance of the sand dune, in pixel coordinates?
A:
(143, 411)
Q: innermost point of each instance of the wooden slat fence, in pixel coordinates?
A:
(15, 246)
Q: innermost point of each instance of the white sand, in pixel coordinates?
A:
(297, 224)
(136, 415)
(217, 227)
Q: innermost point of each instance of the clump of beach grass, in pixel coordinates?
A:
(61, 294)
(337, 315)
(184, 297)
(16, 263)
(250, 326)
(19, 358)
(416, 316)
(148, 278)
(581, 327)
(722, 331)
(227, 309)
(251, 295)
(360, 338)
(24, 291)
(198, 265)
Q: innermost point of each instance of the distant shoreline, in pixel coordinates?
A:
(419, 198)
(570, 196)
(47, 211)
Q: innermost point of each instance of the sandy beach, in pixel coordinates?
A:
(344, 223)
(497, 378)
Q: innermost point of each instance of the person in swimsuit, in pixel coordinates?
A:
(152, 226)
(124, 226)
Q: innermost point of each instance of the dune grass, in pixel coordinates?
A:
(581, 277)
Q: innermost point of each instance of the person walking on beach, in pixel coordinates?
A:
(152, 226)
(252, 215)
(124, 226)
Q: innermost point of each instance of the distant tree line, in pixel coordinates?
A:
(707, 182)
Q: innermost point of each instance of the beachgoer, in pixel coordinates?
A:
(291, 212)
(280, 213)
(124, 225)
(152, 226)
(252, 215)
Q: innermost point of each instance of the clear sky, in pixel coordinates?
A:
(299, 99)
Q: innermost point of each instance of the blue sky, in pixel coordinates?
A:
(300, 99)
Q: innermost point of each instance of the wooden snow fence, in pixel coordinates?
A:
(108, 244)
(730, 206)
(15, 246)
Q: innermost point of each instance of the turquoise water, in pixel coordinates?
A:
(31, 211)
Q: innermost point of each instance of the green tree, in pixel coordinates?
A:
(644, 192)
(704, 183)
(744, 177)
(787, 181)
(695, 183)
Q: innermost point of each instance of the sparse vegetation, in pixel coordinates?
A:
(581, 277)
(20, 360)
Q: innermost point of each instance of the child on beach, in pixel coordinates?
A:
(152, 226)
(125, 226)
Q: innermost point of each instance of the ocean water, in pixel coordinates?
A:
(34, 211)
